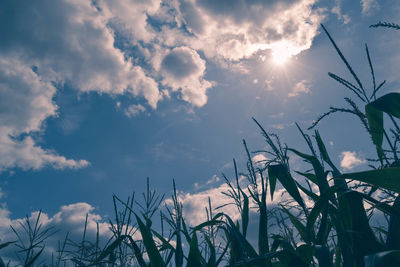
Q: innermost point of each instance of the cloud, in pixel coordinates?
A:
(368, 7)
(134, 110)
(70, 42)
(26, 101)
(349, 160)
(236, 30)
(69, 219)
(338, 11)
(302, 87)
(132, 48)
(194, 204)
(260, 160)
(183, 69)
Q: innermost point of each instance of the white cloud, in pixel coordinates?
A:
(369, 6)
(302, 87)
(194, 204)
(350, 159)
(69, 219)
(26, 101)
(338, 11)
(183, 69)
(259, 160)
(130, 17)
(134, 110)
(236, 30)
(68, 41)
(74, 42)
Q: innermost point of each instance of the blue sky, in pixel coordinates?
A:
(97, 96)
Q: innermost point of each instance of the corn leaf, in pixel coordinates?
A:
(393, 235)
(298, 225)
(389, 103)
(281, 172)
(388, 178)
(151, 248)
(194, 258)
(382, 259)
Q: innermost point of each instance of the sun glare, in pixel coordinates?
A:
(281, 53)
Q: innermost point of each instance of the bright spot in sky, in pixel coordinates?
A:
(282, 52)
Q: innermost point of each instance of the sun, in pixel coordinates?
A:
(281, 52)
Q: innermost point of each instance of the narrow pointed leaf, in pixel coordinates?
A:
(194, 258)
(281, 172)
(245, 213)
(298, 225)
(389, 103)
(388, 178)
(151, 248)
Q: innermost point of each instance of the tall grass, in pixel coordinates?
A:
(329, 226)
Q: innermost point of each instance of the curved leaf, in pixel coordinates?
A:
(281, 172)
(388, 178)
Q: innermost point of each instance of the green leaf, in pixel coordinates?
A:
(312, 195)
(389, 103)
(382, 259)
(388, 178)
(393, 236)
(245, 213)
(272, 185)
(240, 248)
(323, 255)
(324, 153)
(6, 244)
(34, 258)
(214, 221)
(110, 249)
(194, 258)
(299, 226)
(151, 248)
(305, 252)
(281, 172)
(310, 176)
(375, 122)
(290, 259)
(137, 252)
(212, 260)
(320, 175)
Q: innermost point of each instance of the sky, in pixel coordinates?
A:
(96, 96)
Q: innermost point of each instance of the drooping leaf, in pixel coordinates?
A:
(388, 178)
(389, 103)
(320, 175)
(214, 221)
(282, 173)
(310, 176)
